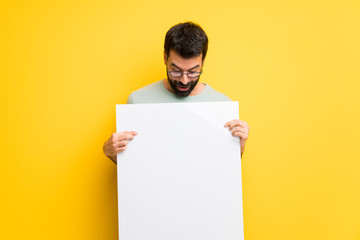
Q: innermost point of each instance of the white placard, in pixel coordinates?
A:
(180, 177)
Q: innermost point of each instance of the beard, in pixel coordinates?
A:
(175, 84)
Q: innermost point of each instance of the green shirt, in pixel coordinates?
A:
(157, 93)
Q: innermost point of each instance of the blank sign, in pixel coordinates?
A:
(180, 177)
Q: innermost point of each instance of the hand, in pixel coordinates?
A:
(240, 129)
(117, 143)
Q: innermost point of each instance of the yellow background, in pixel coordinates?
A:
(292, 65)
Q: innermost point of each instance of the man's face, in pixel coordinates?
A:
(182, 86)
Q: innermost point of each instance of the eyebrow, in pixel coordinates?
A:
(173, 65)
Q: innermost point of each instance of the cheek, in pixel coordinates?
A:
(194, 82)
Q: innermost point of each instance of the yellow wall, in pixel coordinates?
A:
(292, 65)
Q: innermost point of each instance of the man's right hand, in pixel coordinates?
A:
(117, 143)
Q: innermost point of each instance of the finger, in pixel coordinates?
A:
(121, 149)
(237, 122)
(132, 132)
(239, 129)
(116, 145)
(122, 143)
(243, 136)
(230, 122)
(119, 136)
(125, 136)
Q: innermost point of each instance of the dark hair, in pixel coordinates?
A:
(187, 39)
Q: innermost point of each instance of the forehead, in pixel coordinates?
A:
(184, 63)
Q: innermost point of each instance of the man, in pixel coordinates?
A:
(185, 50)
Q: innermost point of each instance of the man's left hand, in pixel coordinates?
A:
(240, 129)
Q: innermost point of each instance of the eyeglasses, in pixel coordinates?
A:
(192, 75)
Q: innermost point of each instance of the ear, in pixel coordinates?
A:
(165, 58)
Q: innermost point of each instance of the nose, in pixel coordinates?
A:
(184, 79)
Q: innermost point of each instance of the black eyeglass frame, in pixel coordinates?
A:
(187, 74)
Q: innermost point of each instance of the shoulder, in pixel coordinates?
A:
(215, 95)
(147, 93)
(156, 86)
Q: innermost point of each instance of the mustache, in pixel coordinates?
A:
(180, 84)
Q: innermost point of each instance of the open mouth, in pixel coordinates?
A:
(184, 88)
